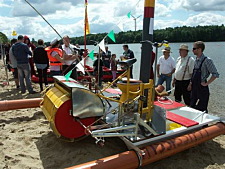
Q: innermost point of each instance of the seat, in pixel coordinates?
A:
(128, 63)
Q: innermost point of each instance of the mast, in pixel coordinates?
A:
(86, 30)
(147, 34)
(85, 24)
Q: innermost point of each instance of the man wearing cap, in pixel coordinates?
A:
(182, 76)
(199, 84)
(165, 68)
(21, 51)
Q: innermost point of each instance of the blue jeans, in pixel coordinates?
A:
(168, 80)
(24, 71)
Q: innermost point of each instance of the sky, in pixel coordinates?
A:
(67, 16)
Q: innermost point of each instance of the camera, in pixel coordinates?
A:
(80, 51)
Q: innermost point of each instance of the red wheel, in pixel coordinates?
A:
(66, 125)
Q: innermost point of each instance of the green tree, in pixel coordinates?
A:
(3, 38)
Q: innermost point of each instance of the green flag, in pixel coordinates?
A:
(111, 36)
(91, 55)
(68, 75)
(129, 14)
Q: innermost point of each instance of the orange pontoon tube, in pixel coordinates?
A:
(19, 104)
(155, 152)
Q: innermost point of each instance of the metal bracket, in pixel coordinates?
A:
(140, 153)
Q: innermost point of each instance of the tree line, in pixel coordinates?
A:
(177, 34)
(211, 33)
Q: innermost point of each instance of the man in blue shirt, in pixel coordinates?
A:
(21, 51)
(128, 54)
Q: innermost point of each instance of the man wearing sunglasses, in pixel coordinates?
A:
(203, 67)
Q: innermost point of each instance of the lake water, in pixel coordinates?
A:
(214, 50)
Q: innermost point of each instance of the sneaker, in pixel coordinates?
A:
(33, 92)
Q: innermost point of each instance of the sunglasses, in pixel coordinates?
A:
(195, 48)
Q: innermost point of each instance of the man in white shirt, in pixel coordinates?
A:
(69, 58)
(183, 74)
(165, 68)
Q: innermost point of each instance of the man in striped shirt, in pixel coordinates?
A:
(203, 67)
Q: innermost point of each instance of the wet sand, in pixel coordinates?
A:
(26, 140)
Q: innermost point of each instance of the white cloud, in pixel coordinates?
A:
(67, 16)
(205, 18)
(200, 19)
(162, 10)
(199, 5)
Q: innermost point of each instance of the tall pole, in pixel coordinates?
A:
(146, 50)
(85, 33)
(85, 25)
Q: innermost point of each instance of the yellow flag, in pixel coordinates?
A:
(166, 44)
(87, 27)
(14, 33)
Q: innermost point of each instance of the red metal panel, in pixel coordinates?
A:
(180, 119)
(149, 12)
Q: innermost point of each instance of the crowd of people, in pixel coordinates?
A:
(190, 79)
(109, 60)
(57, 59)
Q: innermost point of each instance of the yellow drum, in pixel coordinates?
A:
(57, 107)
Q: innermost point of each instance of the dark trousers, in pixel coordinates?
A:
(106, 63)
(200, 97)
(66, 70)
(181, 90)
(131, 72)
(31, 62)
(42, 73)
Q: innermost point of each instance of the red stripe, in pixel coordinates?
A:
(149, 12)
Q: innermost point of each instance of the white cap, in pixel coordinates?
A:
(54, 41)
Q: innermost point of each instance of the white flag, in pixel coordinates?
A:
(80, 66)
(120, 25)
(102, 45)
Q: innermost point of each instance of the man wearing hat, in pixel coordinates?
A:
(183, 74)
(165, 68)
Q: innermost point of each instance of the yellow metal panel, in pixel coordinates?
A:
(149, 3)
(52, 100)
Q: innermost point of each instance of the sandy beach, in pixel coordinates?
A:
(26, 140)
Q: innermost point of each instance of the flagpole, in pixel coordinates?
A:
(85, 25)
(85, 31)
